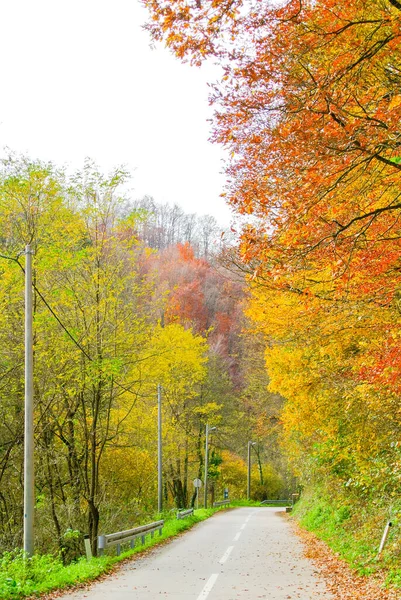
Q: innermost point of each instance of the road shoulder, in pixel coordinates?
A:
(343, 582)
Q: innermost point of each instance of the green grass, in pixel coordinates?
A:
(238, 503)
(21, 577)
(331, 524)
(353, 529)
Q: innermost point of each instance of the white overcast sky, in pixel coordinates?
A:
(79, 79)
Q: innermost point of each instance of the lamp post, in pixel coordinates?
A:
(248, 490)
(208, 429)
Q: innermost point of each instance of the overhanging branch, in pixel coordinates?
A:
(396, 4)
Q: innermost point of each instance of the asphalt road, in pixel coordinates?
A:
(241, 554)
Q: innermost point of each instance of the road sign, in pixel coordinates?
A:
(197, 483)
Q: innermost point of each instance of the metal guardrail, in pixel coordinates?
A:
(274, 502)
(130, 535)
(221, 503)
(185, 513)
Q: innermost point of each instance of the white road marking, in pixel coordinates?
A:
(208, 587)
(237, 537)
(243, 526)
(226, 555)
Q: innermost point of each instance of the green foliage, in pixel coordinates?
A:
(71, 542)
(215, 460)
(21, 576)
(352, 527)
(244, 502)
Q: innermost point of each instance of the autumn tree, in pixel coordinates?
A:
(308, 107)
(95, 345)
(32, 210)
(112, 320)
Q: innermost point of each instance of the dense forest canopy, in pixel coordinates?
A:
(123, 303)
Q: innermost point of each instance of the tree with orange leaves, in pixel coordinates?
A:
(309, 108)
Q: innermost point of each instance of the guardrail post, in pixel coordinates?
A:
(88, 548)
(130, 535)
(101, 544)
(384, 538)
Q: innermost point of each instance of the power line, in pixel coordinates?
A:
(61, 323)
(72, 338)
(51, 310)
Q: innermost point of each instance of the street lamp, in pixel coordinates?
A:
(207, 459)
(248, 491)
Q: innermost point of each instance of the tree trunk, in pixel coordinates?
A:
(93, 526)
(260, 467)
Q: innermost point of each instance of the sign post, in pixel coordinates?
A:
(197, 484)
